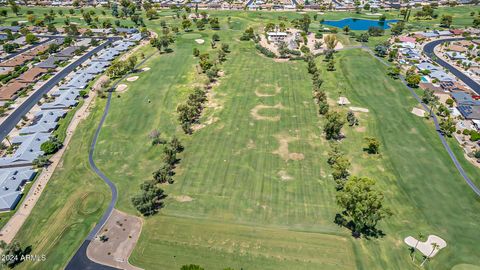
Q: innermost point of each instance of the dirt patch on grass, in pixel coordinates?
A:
(210, 121)
(278, 89)
(281, 60)
(284, 176)
(121, 232)
(358, 109)
(212, 102)
(251, 144)
(256, 109)
(360, 129)
(183, 198)
(121, 88)
(132, 79)
(418, 112)
(282, 150)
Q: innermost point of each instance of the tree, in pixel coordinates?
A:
(331, 42)
(51, 146)
(191, 267)
(352, 119)
(114, 8)
(196, 52)
(331, 65)
(215, 37)
(10, 47)
(362, 205)
(420, 237)
(394, 72)
(186, 24)
(150, 200)
(476, 22)
(363, 37)
(346, 29)
(373, 145)
(446, 21)
(164, 174)
(333, 125)
(175, 145)
(323, 107)
(435, 246)
(151, 14)
(340, 171)
(397, 28)
(15, 8)
(447, 126)
(30, 38)
(13, 253)
(413, 79)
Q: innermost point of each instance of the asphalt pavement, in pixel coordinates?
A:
(428, 49)
(15, 117)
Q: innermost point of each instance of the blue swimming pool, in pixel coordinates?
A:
(359, 24)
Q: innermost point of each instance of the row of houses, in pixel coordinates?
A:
(15, 169)
(11, 90)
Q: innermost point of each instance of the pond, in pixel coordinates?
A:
(360, 24)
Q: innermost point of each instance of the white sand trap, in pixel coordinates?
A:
(132, 79)
(199, 41)
(418, 112)
(358, 109)
(427, 247)
(121, 88)
(343, 101)
(145, 69)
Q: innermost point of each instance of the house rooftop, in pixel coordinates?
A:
(11, 184)
(31, 75)
(10, 91)
(27, 151)
(44, 122)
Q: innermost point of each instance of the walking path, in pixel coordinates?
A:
(80, 259)
(437, 128)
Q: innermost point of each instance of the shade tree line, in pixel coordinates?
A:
(151, 197)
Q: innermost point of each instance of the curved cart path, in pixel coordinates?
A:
(80, 259)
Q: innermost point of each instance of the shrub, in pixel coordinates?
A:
(265, 51)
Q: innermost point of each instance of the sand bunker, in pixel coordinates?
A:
(418, 112)
(199, 41)
(183, 198)
(282, 150)
(343, 101)
(256, 116)
(260, 94)
(284, 176)
(121, 88)
(427, 247)
(132, 79)
(358, 109)
(145, 69)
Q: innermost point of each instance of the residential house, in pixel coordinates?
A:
(28, 150)
(12, 182)
(11, 90)
(44, 122)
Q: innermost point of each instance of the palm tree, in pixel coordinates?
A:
(8, 140)
(346, 29)
(435, 246)
(420, 236)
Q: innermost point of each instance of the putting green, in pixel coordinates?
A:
(191, 36)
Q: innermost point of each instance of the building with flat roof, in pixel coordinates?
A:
(28, 150)
(65, 99)
(12, 182)
(44, 122)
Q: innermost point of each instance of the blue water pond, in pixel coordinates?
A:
(360, 24)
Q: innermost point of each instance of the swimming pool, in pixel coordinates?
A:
(360, 24)
(425, 79)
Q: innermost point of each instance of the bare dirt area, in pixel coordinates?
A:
(418, 112)
(183, 198)
(284, 176)
(358, 109)
(278, 89)
(282, 150)
(121, 232)
(256, 109)
(210, 121)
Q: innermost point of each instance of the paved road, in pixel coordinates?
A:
(437, 127)
(428, 49)
(15, 117)
(80, 259)
(27, 48)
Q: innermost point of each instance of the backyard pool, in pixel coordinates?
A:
(360, 24)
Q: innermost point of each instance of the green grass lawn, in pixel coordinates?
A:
(251, 207)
